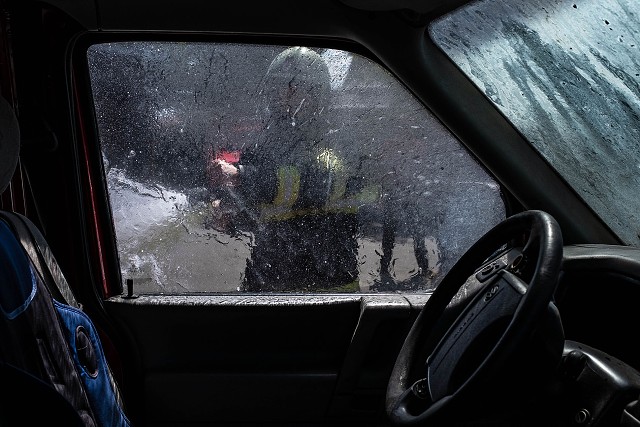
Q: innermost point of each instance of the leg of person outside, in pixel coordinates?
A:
(389, 225)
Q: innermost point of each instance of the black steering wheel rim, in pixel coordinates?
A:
(545, 239)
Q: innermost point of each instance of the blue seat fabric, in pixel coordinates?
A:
(51, 341)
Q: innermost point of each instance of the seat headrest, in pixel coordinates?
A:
(9, 143)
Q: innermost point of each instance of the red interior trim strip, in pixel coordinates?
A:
(92, 197)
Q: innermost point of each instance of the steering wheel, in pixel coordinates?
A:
(468, 362)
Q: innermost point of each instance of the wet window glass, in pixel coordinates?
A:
(567, 75)
(251, 168)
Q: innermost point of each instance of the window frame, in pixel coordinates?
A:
(99, 227)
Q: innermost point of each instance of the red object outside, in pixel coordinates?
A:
(229, 156)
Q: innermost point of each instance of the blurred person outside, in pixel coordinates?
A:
(292, 187)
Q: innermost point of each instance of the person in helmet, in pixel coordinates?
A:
(294, 187)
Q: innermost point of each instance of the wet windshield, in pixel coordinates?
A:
(567, 75)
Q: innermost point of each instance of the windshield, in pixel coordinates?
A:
(567, 75)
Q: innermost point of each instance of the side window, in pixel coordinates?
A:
(254, 168)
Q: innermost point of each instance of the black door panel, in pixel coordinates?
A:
(255, 359)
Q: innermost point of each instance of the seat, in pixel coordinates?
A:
(52, 364)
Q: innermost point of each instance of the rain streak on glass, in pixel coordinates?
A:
(567, 75)
(251, 168)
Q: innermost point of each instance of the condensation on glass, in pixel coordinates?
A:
(251, 168)
(567, 75)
